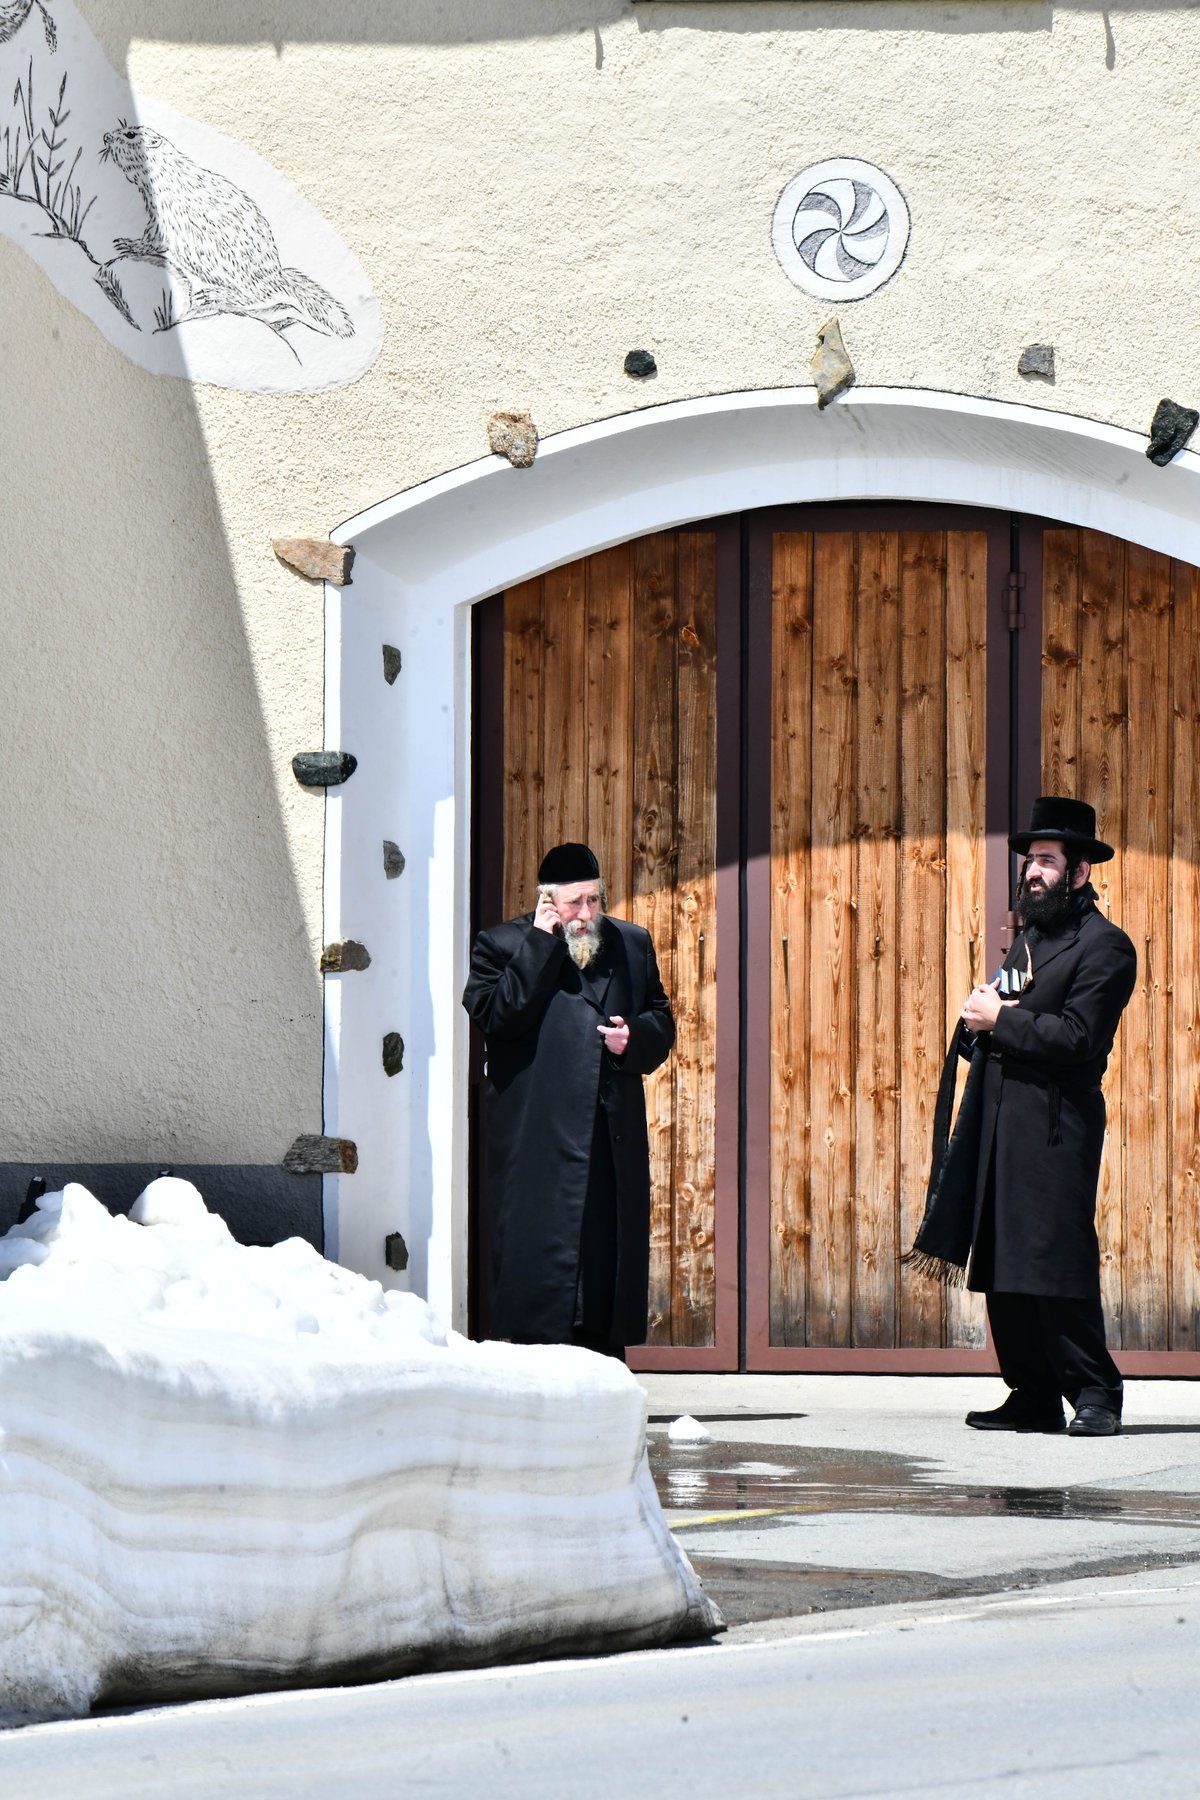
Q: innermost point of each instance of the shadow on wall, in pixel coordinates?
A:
(436, 22)
(160, 1000)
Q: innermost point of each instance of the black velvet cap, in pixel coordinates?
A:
(1069, 822)
(568, 862)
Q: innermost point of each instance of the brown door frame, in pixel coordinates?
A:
(742, 1221)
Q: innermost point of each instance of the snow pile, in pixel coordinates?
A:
(224, 1468)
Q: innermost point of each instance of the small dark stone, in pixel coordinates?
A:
(1037, 359)
(341, 959)
(393, 1053)
(33, 1193)
(391, 663)
(1170, 430)
(640, 364)
(393, 859)
(314, 1155)
(395, 1251)
(323, 768)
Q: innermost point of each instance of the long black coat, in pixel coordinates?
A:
(547, 1072)
(1043, 1111)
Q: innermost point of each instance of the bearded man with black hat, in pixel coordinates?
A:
(1040, 1037)
(1012, 1191)
(573, 1014)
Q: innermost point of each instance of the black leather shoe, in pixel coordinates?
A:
(1019, 1413)
(1095, 1421)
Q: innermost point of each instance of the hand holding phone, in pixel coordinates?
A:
(546, 917)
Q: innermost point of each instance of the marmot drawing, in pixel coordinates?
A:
(214, 235)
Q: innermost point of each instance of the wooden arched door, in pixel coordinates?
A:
(797, 740)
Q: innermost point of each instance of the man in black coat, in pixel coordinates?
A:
(573, 1014)
(1048, 1023)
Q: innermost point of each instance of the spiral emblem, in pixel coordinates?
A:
(840, 229)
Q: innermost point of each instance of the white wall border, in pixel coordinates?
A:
(422, 558)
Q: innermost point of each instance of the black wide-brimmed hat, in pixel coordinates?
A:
(1069, 822)
(568, 862)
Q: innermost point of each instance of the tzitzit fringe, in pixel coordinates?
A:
(936, 1268)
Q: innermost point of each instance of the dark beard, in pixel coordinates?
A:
(1044, 910)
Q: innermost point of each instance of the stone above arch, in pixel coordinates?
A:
(474, 530)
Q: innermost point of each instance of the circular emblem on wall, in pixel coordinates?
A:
(840, 229)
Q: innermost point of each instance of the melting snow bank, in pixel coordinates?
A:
(225, 1468)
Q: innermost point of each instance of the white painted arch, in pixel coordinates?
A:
(422, 558)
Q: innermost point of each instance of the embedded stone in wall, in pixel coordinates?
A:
(323, 768)
(831, 368)
(391, 663)
(395, 1251)
(1037, 359)
(343, 958)
(840, 229)
(315, 1155)
(393, 859)
(393, 1053)
(1170, 430)
(640, 364)
(316, 558)
(513, 435)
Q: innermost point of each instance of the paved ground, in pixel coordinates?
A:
(1080, 1691)
(821, 1492)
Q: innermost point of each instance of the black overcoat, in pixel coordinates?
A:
(1043, 1112)
(547, 1071)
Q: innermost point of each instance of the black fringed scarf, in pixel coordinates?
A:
(942, 1246)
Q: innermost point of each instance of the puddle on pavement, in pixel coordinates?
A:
(703, 1479)
(788, 1481)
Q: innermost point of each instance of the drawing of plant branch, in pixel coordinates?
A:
(32, 158)
(164, 313)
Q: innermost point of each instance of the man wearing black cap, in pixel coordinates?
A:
(573, 1015)
(1046, 1027)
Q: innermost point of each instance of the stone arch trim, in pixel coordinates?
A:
(480, 527)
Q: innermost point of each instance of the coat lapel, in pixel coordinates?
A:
(1047, 948)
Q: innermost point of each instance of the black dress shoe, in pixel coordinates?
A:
(1095, 1421)
(1019, 1413)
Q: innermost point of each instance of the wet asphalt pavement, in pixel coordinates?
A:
(820, 1493)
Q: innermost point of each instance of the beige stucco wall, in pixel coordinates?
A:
(533, 189)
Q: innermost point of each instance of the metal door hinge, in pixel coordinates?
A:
(1014, 618)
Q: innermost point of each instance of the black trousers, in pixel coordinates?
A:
(1049, 1345)
(596, 1289)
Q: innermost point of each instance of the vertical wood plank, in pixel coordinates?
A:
(1103, 717)
(877, 1070)
(695, 969)
(610, 718)
(922, 897)
(654, 762)
(1146, 852)
(832, 1002)
(1185, 959)
(523, 765)
(565, 730)
(1061, 670)
(791, 802)
(966, 822)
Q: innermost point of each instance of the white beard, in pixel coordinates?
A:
(583, 941)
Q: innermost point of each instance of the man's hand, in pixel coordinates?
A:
(546, 917)
(615, 1035)
(983, 1007)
